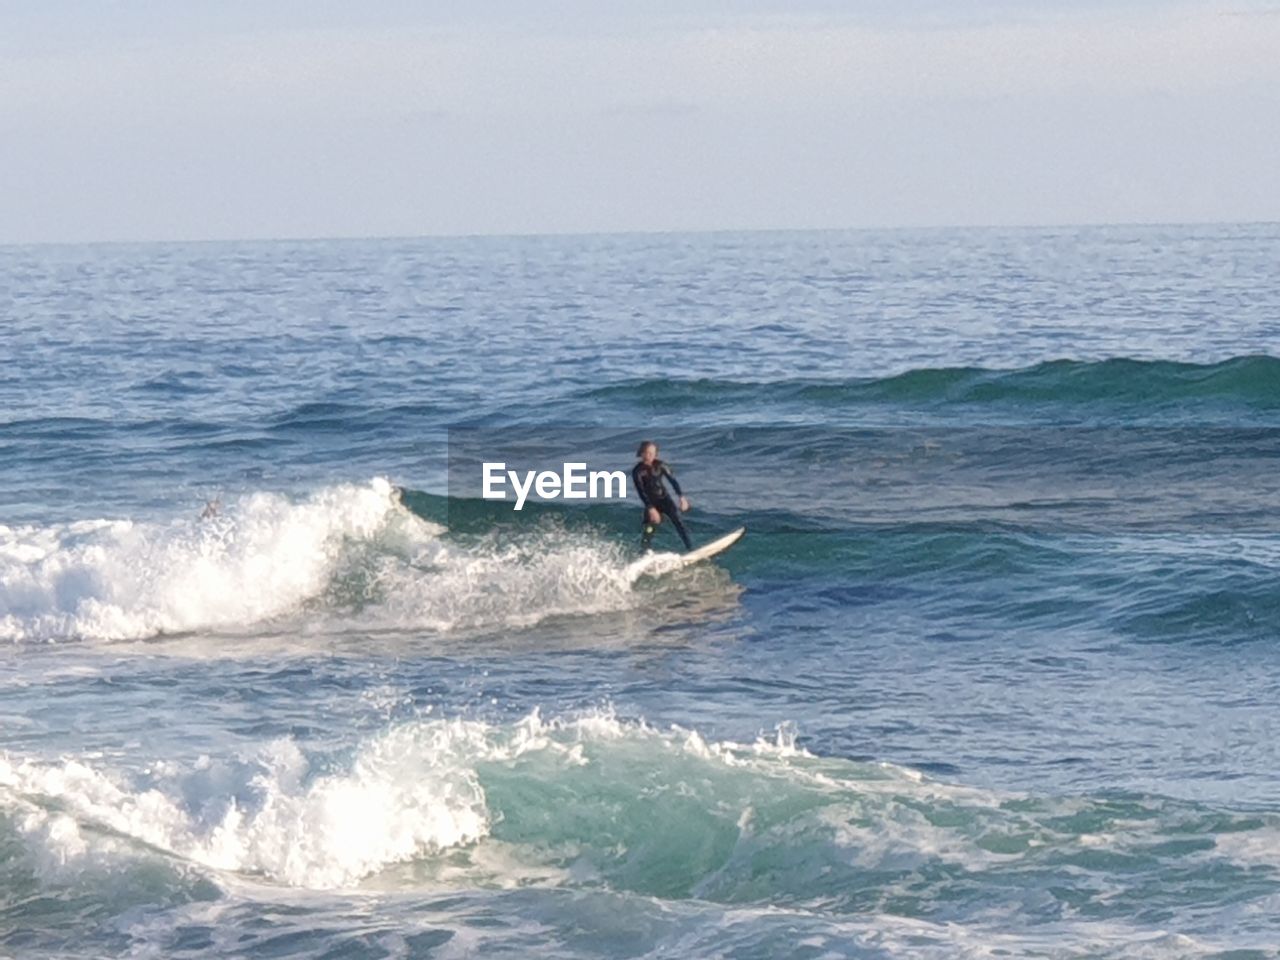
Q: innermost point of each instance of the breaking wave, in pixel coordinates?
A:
(594, 801)
(347, 549)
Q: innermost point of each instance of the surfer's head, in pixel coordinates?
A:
(647, 451)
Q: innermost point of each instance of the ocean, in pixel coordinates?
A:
(993, 673)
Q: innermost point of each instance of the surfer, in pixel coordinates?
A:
(648, 475)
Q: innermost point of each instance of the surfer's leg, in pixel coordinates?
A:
(670, 509)
(647, 530)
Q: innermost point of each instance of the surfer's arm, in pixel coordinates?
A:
(675, 485)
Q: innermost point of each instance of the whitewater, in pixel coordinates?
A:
(992, 674)
(263, 559)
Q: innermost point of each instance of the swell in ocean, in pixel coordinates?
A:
(1116, 387)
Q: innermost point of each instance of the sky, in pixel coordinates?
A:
(232, 119)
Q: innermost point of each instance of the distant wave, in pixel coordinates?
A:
(1251, 382)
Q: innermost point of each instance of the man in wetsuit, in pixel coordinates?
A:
(648, 475)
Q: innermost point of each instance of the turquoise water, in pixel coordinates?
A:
(992, 674)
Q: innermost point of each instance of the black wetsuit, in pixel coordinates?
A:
(648, 480)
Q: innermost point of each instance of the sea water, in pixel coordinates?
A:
(994, 672)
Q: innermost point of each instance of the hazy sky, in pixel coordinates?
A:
(300, 118)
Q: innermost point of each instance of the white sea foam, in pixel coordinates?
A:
(559, 788)
(118, 579)
(347, 553)
(588, 802)
(516, 583)
(1258, 847)
(407, 793)
(399, 800)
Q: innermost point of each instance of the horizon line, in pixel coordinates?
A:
(655, 232)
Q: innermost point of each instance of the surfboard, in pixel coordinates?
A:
(656, 564)
(709, 550)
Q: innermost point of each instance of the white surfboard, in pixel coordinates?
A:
(655, 564)
(708, 550)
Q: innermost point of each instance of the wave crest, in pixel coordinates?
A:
(593, 801)
(349, 556)
(1250, 382)
(118, 579)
